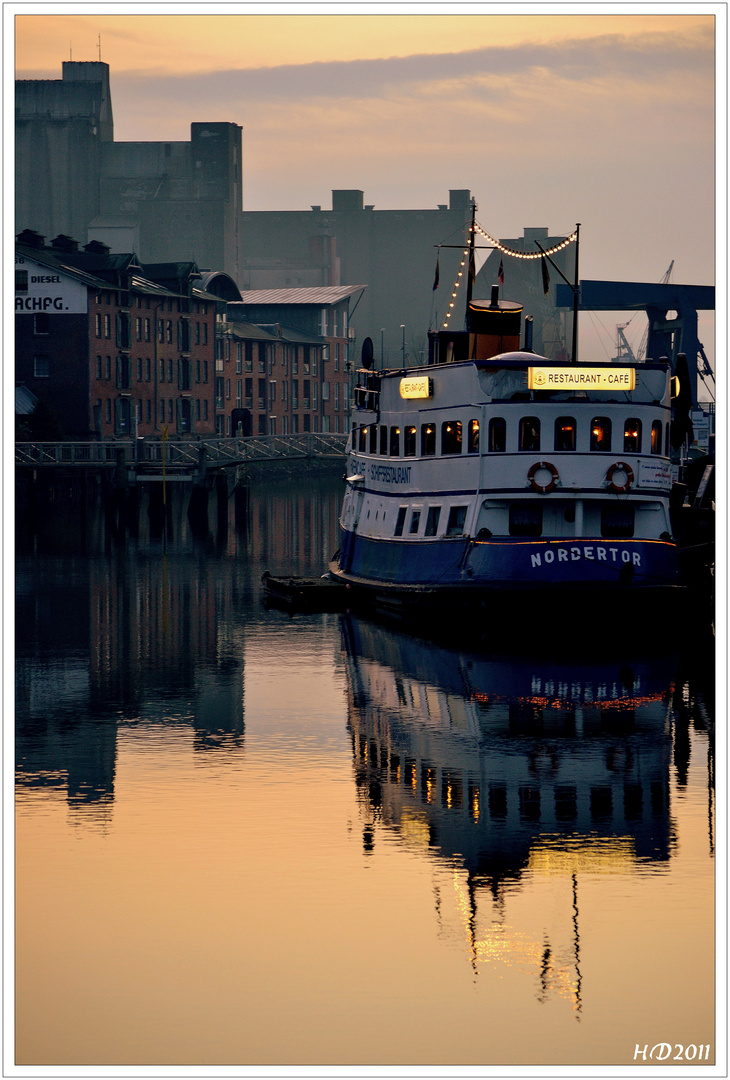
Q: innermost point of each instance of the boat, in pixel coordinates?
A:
(495, 471)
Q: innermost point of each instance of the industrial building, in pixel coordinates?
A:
(165, 201)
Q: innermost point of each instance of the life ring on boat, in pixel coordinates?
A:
(620, 466)
(543, 488)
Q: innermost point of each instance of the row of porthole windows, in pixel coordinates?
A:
(385, 440)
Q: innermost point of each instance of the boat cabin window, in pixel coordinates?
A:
(656, 437)
(617, 522)
(451, 437)
(400, 520)
(600, 433)
(473, 438)
(415, 522)
(373, 438)
(383, 438)
(497, 435)
(632, 436)
(428, 440)
(362, 440)
(529, 433)
(565, 433)
(525, 519)
(409, 442)
(457, 517)
(395, 442)
(432, 521)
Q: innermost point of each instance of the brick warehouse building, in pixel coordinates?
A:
(108, 350)
(309, 389)
(114, 349)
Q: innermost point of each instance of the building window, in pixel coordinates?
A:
(305, 394)
(168, 332)
(41, 324)
(451, 437)
(632, 436)
(149, 411)
(148, 369)
(337, 396)
(239, 392)
(295, 360)
(124, 373)
(98, 367)
(306, 422)
(262, 394)
(197, 332)
(529, 434)
(295, 393)
(41, 367)
(108, 410)
(122, 339)
(601, 433)
(162, 410)
(205, 371)
(272, 395)
(21, 280)
(108, 368)
(497, 435)
(97, 320)
(409, 442)
(138, 328)
(147, 329)
(205, 409)
(239, 361)
(565, 433)
(139, 369)
(107, 326)
(161, 331)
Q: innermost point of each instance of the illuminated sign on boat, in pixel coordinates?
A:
(577, 378)
(419, 386)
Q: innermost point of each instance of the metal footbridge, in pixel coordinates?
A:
(183, 457)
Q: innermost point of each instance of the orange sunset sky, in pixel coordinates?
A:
(549, 119)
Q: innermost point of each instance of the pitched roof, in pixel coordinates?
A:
(324, 296)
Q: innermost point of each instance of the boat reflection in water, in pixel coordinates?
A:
(508, 771)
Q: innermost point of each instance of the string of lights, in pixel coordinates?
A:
(526, 254)
(505, 251)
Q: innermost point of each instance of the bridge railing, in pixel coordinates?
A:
(184, 453)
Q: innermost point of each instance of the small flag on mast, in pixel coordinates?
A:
(545, 276)
(436, 276)
(500, 273)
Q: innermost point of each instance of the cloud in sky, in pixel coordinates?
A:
(548, 121)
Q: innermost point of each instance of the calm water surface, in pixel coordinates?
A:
(245, 838)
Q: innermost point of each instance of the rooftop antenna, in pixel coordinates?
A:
(99, 46)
